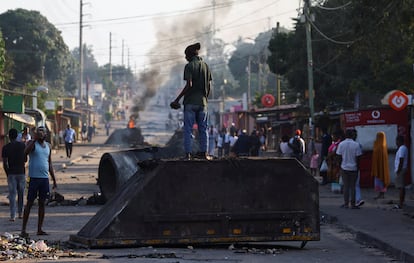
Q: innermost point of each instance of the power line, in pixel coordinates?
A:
(328, 38)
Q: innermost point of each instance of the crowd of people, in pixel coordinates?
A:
(339, 163)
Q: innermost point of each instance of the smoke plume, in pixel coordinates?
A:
(165, 68)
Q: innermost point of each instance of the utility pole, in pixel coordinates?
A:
(128, 58)
(214, 18)
(122, 60)
(277, 75)
(110, 56)
(80, 51)
(307, 14)
(249, 70)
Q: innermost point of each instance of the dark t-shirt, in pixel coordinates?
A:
(198, 72)
(14, 152)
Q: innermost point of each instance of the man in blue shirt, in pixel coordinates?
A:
(40, 166)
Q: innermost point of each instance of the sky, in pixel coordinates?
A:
(143, 29)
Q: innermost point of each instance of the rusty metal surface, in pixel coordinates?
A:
(116, 168)
(219, 201)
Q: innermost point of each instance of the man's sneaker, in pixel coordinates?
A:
(360, 203)
(202, 156)
(397, 207)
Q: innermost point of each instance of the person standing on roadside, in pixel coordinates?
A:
(358, 196)
(40, 167)
(379, 167)
(107, 127)
(298, 145)
(326, 142)
(13, 164)
(400, 169)
(69, 136)
(220, 142)
(349, 151)
(195, 92)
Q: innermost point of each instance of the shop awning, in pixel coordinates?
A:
(71, 113)
(20, 117)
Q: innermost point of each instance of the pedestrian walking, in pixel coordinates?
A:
(107, 127)
(326, 142)
(314, 162)
(195, 92)
(69, 136)
(24, 136)
(84, 132)
(349, 151)
(400, 169)
(298, 145)
(285, 149)
(333, 160)
(226, 142)
(212, 140)
(40, 167)
(241, 145)
(220, 143)
(379, 167)
(254, 143)
(14, 160)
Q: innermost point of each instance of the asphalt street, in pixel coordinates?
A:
(376, 224)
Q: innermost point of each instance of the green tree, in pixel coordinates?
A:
(2, 61)
(36, 48)
(90, 66)
(359, 47)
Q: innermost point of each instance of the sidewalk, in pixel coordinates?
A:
(376, 223)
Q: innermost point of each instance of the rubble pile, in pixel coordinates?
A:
(175, 146)
(128, 137)
(14, 247)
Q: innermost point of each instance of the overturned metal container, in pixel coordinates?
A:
(173, 202)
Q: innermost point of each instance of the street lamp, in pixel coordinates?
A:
(39, 88)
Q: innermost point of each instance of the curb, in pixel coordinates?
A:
(367, 239)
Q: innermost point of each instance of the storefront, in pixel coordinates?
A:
(370, 121)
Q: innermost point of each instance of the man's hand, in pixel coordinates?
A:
(175, 105)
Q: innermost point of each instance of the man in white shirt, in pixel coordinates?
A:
(349, 151)
(400, 168)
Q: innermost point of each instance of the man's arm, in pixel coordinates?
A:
(400, 164)
(208, 89)
(29, 147)
(6, 165)
(51, 170)
(187, 86)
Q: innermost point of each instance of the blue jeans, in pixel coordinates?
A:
(16, 184)
(195, 114)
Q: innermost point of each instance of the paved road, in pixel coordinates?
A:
(376, 224)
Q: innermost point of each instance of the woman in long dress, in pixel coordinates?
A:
(380, 168)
